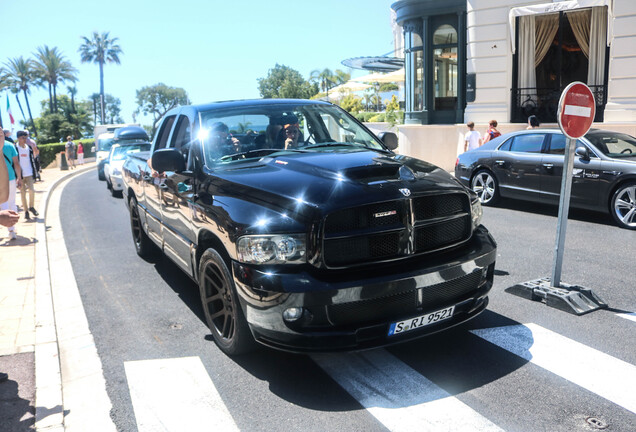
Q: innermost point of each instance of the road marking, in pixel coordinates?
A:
(398, 396)
(629, 316)
(175, 395)
(591, 369)
(578, 111)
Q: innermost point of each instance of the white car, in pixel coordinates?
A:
(103, 144)
(115, 161)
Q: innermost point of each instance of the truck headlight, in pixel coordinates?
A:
(272, 249)
(476, 211)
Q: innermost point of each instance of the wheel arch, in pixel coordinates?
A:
(206, 240)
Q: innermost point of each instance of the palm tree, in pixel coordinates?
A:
(324, 78)
(51, 67)
(72, 91)
(19, 74)
(100, 49)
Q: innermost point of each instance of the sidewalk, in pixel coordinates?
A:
(45, 345)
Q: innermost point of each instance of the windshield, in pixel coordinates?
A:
(612, 144)
(120, 153)
(104, 144)
(254, 131)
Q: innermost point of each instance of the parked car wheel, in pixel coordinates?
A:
(485, 185)
(144, 247)
(623, 206)
(100, 174)
(222, 310)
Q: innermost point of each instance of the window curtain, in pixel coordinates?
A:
(547, 27)
(580, 23)
(598, 42)
(527, 75)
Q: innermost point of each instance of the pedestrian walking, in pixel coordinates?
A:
(8, 218)
(80, 153)
(70, 152)
(28, 174)
(36, 155)
(492, 131)
(10, 156)
(472, 139)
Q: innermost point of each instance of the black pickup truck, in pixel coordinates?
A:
(304, 231)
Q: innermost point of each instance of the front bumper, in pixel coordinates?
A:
(350, 310)
(117, 182)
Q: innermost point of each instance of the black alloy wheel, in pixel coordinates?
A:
(222, 310)
(485, 185)
(623, 206)
(144, 247)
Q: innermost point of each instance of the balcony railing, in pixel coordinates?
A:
(544, 103)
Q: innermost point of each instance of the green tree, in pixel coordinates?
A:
(324, 78)
(66, 121)
(100, 49)
(158, 99)
(351, 103)
(112, 106)
(285, 82)
(386, 87)
(51, 67)
(19, 75)
(72, 90)
(392, 108)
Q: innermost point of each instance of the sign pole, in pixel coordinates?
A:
(564, 209)
(575, 116)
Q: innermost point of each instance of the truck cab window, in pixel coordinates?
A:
(164, 133)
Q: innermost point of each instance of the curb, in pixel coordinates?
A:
(50, 411)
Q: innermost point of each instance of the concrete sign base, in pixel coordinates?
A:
(574, 299)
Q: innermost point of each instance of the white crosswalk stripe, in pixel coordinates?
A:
(398, 396)
(609, 377)
(175, 395)
(629, 316)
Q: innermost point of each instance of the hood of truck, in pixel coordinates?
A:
(330, 180)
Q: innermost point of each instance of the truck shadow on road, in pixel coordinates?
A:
(456, 360)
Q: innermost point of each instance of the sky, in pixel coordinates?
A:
(215, 50)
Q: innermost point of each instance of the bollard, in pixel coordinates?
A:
(63, 164)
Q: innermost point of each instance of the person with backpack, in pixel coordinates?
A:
(492, 131)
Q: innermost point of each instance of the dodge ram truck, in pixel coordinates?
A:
(304, 231)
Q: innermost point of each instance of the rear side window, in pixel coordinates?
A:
(181, 136)
(164, 133)
(530, 143)
(557, 144)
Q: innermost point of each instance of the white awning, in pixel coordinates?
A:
(558, 6)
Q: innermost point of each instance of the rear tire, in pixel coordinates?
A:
(485, 185)
(623, 206)
(222, 310)
(144, 247)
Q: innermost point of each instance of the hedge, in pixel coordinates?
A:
(48, 151)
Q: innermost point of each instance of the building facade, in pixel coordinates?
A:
(477, 60)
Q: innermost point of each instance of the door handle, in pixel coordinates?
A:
(500, 162)
(147, 178)
(548, 165)
(163, 186)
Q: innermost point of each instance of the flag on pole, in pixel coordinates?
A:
(11, 119)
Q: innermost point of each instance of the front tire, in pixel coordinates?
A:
(223, 312)
(144, 247)
(623, 206)
(485, 185)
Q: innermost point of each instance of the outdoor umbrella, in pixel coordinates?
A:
(348, 87)
(395, 76)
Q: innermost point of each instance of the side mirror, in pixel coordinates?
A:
(168, 160)
(389, 139)
(93, 149)
(582, 153)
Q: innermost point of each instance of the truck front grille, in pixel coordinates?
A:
(395, 229)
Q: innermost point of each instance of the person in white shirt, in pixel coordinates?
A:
(27, 166)
(472, 139)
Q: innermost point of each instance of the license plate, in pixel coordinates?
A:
(421, 321)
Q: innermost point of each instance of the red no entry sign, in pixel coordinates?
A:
(576, 110)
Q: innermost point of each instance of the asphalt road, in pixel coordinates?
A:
(571, 369)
